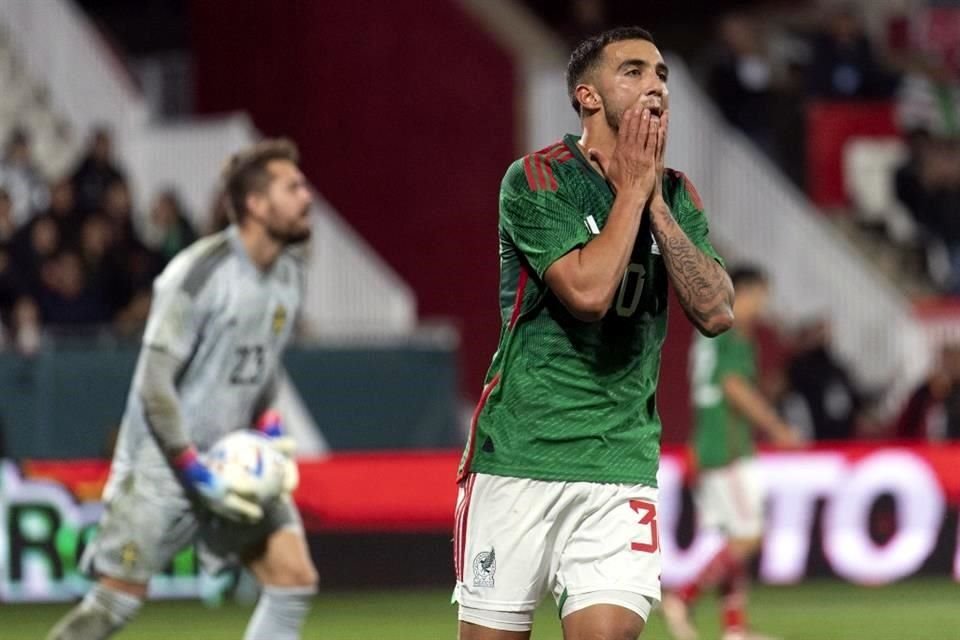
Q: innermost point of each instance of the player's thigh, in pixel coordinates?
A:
(730, 500)
(612, 558)
(285, 561)
(470, 631)
(603, 621)
(504, 540)
(275, 549)
(146, 522)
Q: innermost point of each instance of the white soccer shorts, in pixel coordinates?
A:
(516, 539)
(730, 499)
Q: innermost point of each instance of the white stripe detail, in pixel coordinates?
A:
(592, 225)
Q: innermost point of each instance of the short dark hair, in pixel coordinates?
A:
(748, 274)
(586, 55)
(246, 172)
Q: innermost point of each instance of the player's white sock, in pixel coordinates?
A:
(100, 614)
(280, 613)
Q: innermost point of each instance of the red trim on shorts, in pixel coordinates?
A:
(460, 526)
(471, 440)
(518, 300)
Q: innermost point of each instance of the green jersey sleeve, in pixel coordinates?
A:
(688, 209)
(539, 216)
(735, 356)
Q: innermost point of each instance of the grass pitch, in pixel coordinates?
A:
(914, 610)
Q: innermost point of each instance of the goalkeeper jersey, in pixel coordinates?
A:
(568, 400)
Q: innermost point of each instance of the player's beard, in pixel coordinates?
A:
(613, 115)
(290, 234)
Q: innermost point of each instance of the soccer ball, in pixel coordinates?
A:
(251, 467)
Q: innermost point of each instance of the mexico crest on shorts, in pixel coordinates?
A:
(279, 319)
(484, 566)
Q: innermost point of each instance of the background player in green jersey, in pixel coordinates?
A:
(729, 493)
(558, 478)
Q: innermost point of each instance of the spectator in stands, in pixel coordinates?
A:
(66, 301)
(105, 266)
(933, 410)
(33, 244)
(822, 396)
(844, 65)
(928, 185)
(741, 79)
(170, 230)
(96, 172)
(139, 264)
(22, 180)
(9, 292)
(63, 211)
(8, 225)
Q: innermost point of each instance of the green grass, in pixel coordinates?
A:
(914, 610)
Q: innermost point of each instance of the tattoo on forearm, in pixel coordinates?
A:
(700, 282)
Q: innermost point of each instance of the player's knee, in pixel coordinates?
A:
(605, 615)
(614, 630)
(744, 548)
(301, 575)
(622, 630)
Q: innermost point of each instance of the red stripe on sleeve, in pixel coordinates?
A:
(528, 169)
(551, 181)
(541, 172)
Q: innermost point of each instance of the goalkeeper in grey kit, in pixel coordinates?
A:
(222, 313)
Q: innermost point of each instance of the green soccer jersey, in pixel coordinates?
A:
(568, 400)
(721, 435)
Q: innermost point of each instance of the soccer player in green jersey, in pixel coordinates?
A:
(729, 493)
(558, 478)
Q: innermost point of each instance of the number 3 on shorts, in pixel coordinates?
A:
(648, 516)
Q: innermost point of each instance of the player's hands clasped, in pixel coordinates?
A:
(227, 501)
(637, 161)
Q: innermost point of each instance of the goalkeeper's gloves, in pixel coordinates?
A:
(270, 424)
(224, 500)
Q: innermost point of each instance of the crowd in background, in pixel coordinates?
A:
(74, 257)
(764, 66)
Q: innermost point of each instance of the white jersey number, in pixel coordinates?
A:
(631, 289)
(249, 365)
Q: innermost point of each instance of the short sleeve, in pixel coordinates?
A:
(690, 215)
(543, 223)
(175, 320)
(734, 357)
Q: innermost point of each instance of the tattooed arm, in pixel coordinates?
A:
(702, 285)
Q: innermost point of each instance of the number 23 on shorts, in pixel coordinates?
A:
(648, 517)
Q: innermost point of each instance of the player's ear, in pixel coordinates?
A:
(588, 97)
(256, 204)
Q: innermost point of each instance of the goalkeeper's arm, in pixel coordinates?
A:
(161, 407)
